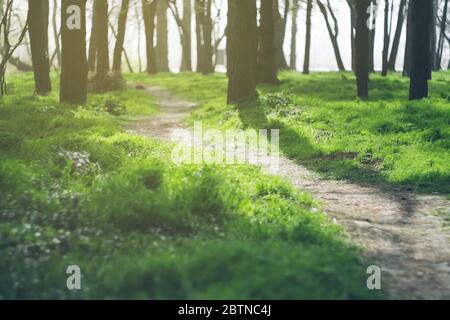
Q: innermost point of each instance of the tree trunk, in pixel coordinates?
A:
(118, 48)
(362, 48)
(38, 14)
(56, 33)
(434, 37)
(408, 47)
(351, 5)
(372, 33)
(162, 47)
(92, 53)
(186, 38)
(149, 12)
(267, 70)
(397, 36)
(421, 30)
(443, 25)
(386, 40)
(73, 82)
(294, 29)
(333, 36)
(279, 35)
(101, 12)
(241, 50)
(204, 36)
(307, 37)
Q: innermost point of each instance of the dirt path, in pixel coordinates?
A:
(397, 228)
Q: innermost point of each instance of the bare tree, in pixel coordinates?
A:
(398, 33)
(162, 46)
(184, 24)
(332, 31)
(294, 30)
(118, 48)
(309, 8)
(8, 46)
(362, 47)
(267, 69)
(149, 12)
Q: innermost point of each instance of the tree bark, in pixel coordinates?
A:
(294, 30)
(307, 37)
(362, 48)
(421, 47)
(386, 40)
(408, 47)
(279, 35)
(56, 33)
(101, 17)
(397, 36)
(351, 5)
(38, 15)
(204, 36)
(149, 12)
(73, 82)
(186, 38)
(267, 70)
(92, 52)
(118, 48)
(162, 47)
(241, 50)
(372, 33)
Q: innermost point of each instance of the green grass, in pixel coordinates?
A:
(385, 140)
(139, 226)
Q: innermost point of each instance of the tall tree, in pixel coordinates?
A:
(333, 32)
(280, 22)
(38, 15)
(294, 29)
(118, 48)
(56, 33)
(93, 44)
(442, 26)
(398, 34)
(162, 46)
(241, 50)
(386, 39)
(101, 17)
(362, 48)
(204, 28)
(184, 24)
(408, 47)
(351, 5)
(309, 8)
(73, 82)
(149, 12)
(372, 33)
(267, 70)
(422, 27)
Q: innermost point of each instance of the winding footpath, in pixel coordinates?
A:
(397, 229)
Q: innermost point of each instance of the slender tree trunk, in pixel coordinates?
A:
(118, 48)
(309, 8)
(102, 67)
(162, 46)
(38, 14)
(204, 36)
(362, 48)
(434, 37)
(73, 82)
(294, 29)
(241, 50)
(92, 53)
(149, 12)
(372, 33)
(443, 25)
(351, 4)
(56, 33)
(333, 36)
(279, 35)
(408, 47)
(267, 70)
(386, 40)
(421, 30)
(186, 37)
(397, 36)
(139, 31)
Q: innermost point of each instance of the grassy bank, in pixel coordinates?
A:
(386, 139)
(75, 189)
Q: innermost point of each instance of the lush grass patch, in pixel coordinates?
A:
(76, 189)
(386, 139)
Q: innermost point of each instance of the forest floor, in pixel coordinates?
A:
(400, 230)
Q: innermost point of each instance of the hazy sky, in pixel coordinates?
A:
(322, 55)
